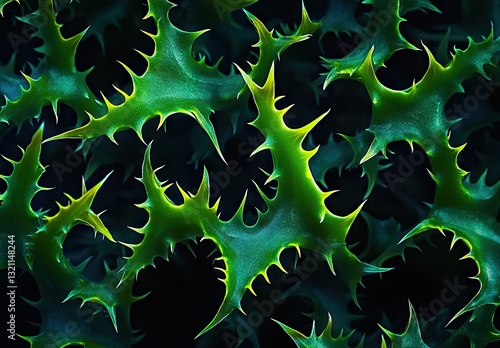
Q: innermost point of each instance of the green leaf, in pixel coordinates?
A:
(410, 337)
(58, 79)
(175, 82)
(296, 217)
(381, 35)
(479, 329)
(17, 216)
(324, 340)
(469, 211)
(168, 224)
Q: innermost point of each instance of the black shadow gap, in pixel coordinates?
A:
(405, 189)
(436, 296)
(185, 288)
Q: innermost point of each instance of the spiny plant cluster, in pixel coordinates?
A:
(308, 155)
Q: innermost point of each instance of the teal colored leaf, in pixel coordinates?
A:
(382, 33)
(57, 80)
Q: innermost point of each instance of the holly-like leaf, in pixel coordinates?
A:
(382, 33)
(57, 80)
(324, 340)
(410, 337)
(16, 214)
